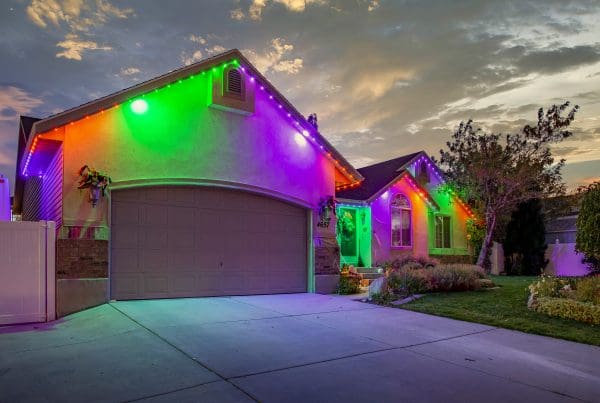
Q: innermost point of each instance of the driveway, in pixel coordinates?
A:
(295, 347)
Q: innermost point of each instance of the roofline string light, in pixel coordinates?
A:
(137, 106)
(435, 170)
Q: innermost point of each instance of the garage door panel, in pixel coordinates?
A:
(153, 215)
(155, 194)
(179, 242)
(154, 261)
(180, 238)
(183, 284)
(152, 238)
(126, 213)
(125, 236)
(125, 259)
(156, 284)
(181, 260)
(126, 285)
(206, 220)
(181, 196)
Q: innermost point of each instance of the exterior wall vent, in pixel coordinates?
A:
(234, 82)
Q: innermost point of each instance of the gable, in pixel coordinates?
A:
(143, 92)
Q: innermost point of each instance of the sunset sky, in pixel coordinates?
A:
(386, 78)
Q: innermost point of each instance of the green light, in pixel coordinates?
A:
(139, 106)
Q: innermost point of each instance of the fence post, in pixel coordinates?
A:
(50, 270)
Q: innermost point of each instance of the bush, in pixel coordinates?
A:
(568, 309)
(412, 261)
(446, 277)
(349, 283)
(548, 286)
(588, 290)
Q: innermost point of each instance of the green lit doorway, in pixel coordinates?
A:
(354, 235)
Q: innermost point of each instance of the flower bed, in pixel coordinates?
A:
(413, 278)
(569, 298)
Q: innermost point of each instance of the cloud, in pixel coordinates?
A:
(74, 47)
(255, 10)
(129, 71)
(190, 58)
(75, 15)
(373, 5)
(15, 101)
(197, 39)
(275, 58)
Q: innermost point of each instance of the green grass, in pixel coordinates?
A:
(505, 307)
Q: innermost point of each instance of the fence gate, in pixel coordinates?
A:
(27, 285)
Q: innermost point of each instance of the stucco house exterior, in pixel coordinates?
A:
(401, 208)
(219, 186)
(216, 186)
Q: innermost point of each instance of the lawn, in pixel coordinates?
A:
(506, 307)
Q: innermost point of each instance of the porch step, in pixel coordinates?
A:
(362, 270)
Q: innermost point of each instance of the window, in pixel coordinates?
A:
(234, 84)
(401, 221)
(442, 231)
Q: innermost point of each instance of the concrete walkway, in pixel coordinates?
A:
(299, 348)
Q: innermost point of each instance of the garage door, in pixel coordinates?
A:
(171, 242)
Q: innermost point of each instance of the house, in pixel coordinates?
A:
(217, 184)
(401, 208)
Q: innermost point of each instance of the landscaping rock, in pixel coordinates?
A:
(407, 299)
(377, 287)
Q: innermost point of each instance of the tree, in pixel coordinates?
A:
(525, 240)
(494, 172)
(587, 240)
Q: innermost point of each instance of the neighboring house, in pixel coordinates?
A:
(216, 186)
(400, 208)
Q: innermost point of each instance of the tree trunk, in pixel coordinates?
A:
(487, 243)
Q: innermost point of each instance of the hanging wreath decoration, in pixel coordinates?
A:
(95, 181)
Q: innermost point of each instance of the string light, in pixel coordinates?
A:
(139, 107)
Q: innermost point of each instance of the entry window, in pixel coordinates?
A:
(442, 231)
(401, 221)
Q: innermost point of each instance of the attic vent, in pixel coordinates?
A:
(234, 82)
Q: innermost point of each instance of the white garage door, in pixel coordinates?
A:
(171, 242)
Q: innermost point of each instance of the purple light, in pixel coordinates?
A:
(251, 79)
(262, 88)
(270, 96)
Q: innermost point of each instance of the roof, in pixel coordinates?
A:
(25, 126)
(112, 100)
(562, 224)
(377, 177)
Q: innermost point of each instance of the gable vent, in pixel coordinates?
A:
(234, 82)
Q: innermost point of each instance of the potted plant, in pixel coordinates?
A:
(95, 181)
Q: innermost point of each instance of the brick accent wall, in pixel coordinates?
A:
(81, 258)
(327, 256)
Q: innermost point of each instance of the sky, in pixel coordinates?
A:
(386, 78)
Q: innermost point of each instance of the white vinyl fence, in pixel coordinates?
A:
(27, 285)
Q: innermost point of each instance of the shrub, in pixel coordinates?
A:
(349, 283)
(409, 281)
(413, 261)
(485, 283)
(548, 286)
(568, 309)
(445, 277)
(454, 277)
(588, 290)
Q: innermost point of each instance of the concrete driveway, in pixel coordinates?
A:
(299, 347)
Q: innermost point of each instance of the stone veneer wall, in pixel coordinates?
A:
(81, 274)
